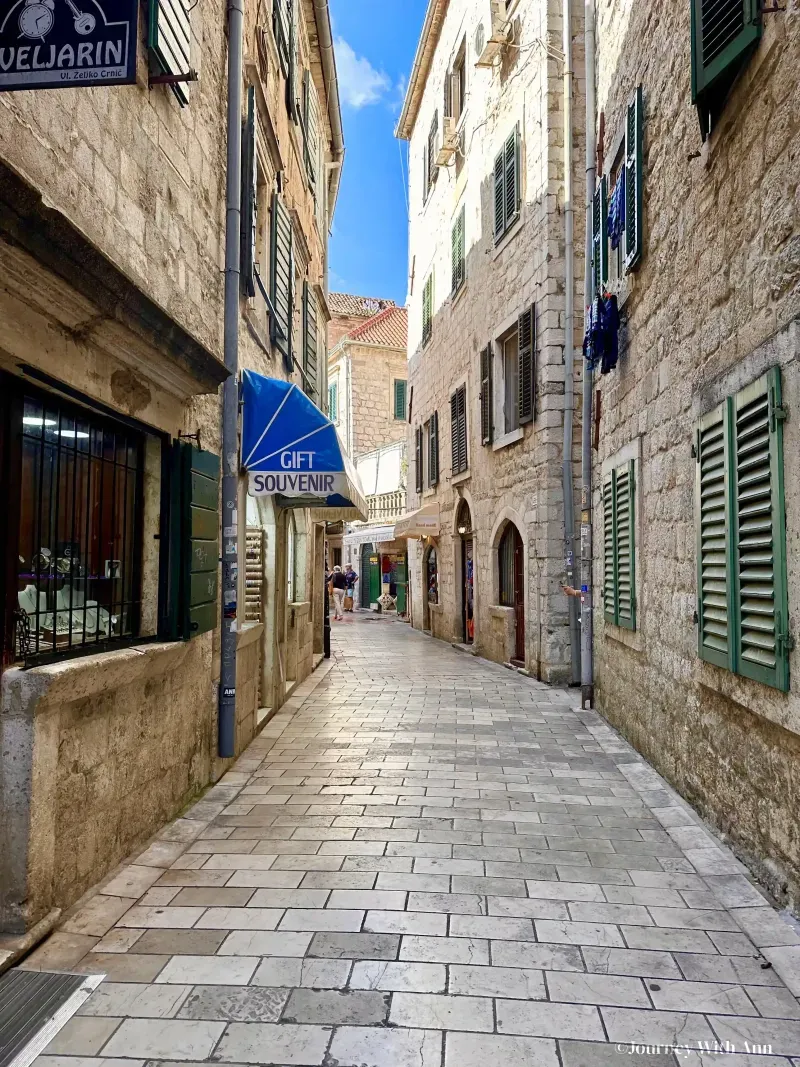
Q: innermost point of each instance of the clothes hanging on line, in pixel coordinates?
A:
(601, 342)
(616, 211)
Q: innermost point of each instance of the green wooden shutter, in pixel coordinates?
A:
(714, 570)
(169, 41)
(724, 34)
(499, 197)
(759, 530)
(458, 430)
(486, 395)
(512, 182)
(280, 30)
(619, 546)
(201, 474)
(291, 75)
(310, 340)
(427, 310)
(311, 129)
(600, 237)
(625, 538)
(249, 197)
(400, 398)
(433, 449)
(634, 181)
(420, 474)
(333, 401)
(610, 597)
(526, 379)
(458, 251)
(281, 279)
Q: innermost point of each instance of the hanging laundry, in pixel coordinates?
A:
(616, 211)
(601, 342)
(609, 317)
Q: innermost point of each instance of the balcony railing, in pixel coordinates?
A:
(386, 507)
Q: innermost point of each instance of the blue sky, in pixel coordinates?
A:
(375, 45)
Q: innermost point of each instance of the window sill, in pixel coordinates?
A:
(509, 438)
(459, 479)
(429, 491)
(507, 237)
(456, 297)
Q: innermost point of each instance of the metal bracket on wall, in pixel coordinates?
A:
(171, 79)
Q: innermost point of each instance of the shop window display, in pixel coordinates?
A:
(78, 547)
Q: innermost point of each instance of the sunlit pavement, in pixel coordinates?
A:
(427, 859)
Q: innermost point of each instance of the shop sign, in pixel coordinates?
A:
(50, 44)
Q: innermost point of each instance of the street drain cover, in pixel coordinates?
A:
(34, 1005)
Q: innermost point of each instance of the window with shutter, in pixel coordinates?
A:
(600, 237)
(400, 387)
(458, 251)
(634, 135)
(526, 380)
(458, 430)
(418, 462)
(333, 401)
(310, 129)
(506, 183)
(194, 542)
(431, 169)
(169, 41)
(742, 602)
(249, 197)
(725, 33)
(712, 449)
(433, 449)
(292, 73)
(427, 310)
(310, 341)
(487, 399)
(619, 546)
(282, 280)
(280, 29)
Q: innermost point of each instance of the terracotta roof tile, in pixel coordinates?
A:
(389, 328)
(357, 306)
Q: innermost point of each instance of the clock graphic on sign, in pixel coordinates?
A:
(36, 19)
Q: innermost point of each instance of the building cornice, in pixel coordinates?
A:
(428, 40)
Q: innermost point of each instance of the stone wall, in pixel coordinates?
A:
(518, 479)
(713, 305)
(374, 371)
(97, 754)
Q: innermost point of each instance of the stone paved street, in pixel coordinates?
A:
(427, 860)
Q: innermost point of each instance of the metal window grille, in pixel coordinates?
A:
(79, 542)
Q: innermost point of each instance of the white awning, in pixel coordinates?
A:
(421, 523)
(369, 535)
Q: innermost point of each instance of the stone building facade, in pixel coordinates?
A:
(706, 683)
(112, 215)
(484, 120)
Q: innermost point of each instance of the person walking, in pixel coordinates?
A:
(351, 578)
(339, 583)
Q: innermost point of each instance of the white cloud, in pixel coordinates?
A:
(400, 90)
(360, 84)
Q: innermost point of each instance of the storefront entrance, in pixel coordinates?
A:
(511, 560)
(464, 527)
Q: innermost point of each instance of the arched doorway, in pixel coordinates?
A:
(511, 563)
(430, 576)
(464, 528)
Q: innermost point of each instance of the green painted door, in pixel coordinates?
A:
(401, 578)
(374, 579)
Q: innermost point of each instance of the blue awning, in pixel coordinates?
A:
(292, 451)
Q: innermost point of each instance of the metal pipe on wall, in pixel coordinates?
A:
(569, 350)
(587, 609)
(230, 388)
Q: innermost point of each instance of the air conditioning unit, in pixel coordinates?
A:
(500, 34)
(449, 142)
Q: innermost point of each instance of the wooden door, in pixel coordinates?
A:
(519, 597)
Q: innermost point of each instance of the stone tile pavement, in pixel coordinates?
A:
(426, 860)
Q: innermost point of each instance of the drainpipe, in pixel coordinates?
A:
(587, 620)
(569, 350)
(230, 388)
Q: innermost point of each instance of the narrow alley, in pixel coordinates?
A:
(425, 858)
